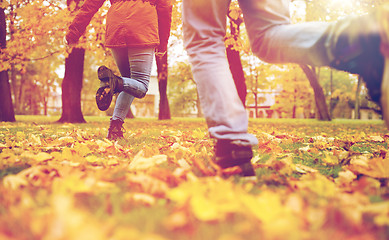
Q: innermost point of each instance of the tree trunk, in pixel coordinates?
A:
(332, 91)
(294, 102)
(236, 69)
(7, 113)
(164, 110)
(234, 61)
(357, 99)
(198, 106)
(71, 87)
(72, 82)
(320, 99)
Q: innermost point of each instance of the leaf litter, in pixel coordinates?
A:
(75, 184)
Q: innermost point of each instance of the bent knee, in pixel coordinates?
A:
(140, 93)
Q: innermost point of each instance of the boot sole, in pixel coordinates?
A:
(104, 98)
(247, 170)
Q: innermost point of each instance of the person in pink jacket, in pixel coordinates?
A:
(135, 29)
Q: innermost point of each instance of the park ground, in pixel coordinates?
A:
(315, 180)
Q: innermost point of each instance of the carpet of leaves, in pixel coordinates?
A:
(316, 180)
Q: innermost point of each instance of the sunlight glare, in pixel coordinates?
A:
(342, 3)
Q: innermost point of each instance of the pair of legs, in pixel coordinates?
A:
(135, 67)
(351, 44)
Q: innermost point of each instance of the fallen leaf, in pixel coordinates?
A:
(143, 163)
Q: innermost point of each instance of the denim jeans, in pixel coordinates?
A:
(273, 39)
(135, 67)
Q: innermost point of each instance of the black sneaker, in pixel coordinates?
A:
(228, 154)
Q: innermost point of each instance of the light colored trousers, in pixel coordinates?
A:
(272, 38)
(135, 67)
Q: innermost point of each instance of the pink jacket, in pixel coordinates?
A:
(130, 23)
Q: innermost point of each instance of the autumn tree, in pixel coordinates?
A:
(182, 91)
(256, 80)
(35, 32)
(6, 106)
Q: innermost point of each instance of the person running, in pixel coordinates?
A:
(135, 29)
(358, 45)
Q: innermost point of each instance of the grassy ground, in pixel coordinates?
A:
(315, 180)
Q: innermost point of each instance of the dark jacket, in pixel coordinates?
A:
(130, 23)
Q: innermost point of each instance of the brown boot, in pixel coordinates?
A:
(115, 130)
(228, 154)
(109, 78)
(109, 85)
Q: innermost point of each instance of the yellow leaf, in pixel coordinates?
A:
(20, 136)
(43, 156)
(28, 154)
(284, 166)
(66, 140)
(204, 209)
(73, 184)
(318, 184)
(112, 162)
(142, 163)
(93, 159)
(330, 159)
(345, 177)
(148, 184)
(36, 139)
(82, 149)
(143, 198)
(377, 138)
(304, 169)
(360, 160)
(103, 144)
(15, 181)
(375, 167)
(68, 154)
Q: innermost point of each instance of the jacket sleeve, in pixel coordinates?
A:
(82, 19)
(164, 11)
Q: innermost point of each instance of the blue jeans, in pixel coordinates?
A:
(135, 67)
(273, 39)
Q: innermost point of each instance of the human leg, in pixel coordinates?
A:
(204, 29)
(274, 39)
(204, 26)
(135, 67)
(351, 44)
